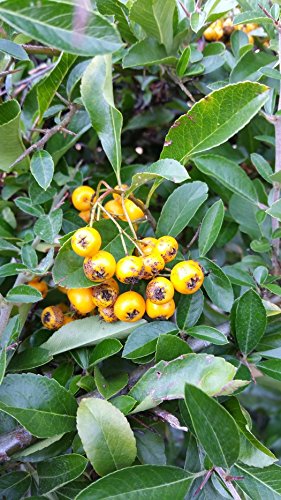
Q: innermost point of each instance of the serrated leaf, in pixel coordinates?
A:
(52, 24)
(210, 122)
(42, 168)
(86, 332)
(58, 471)
(177, 213)
(229, 173)
(106, 436)
(211, 226)
(146, 482)
(250, 321)
(38, 403)
(214, 427)
(105, 118)
(165, 381)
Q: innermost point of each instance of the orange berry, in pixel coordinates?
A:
(129, 307)
(81, 300)
(160, 290)
(41, 286)
(100, 267)
(82, 197)
(160, 311)
(115, 209)
(105, 295)
(86, 241)
(108, 314)
(85, 215)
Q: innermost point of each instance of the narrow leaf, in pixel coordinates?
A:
(211, 226)
(42, 168)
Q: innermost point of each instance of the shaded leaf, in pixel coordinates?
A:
(142, 341)
(170, 347)
(10, 127)
(189, 310)
(207, 333)
(211, 226)
(259, 483)
(14, 485)
(217, 285)
(250, 321)
(59, 471)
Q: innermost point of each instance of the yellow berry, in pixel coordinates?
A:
(52, 317)
(108, 314)
(160, 290)
(41, 286)
(130, 269)
(167, 246)
(81, 300)
(129, 307)
(82, 197)
(105, 295)
(187, 277)
(86, 241)
(100, 267)
(160, 311)
(153, 264)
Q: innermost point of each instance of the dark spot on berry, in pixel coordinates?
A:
(83, 242)
(192, 282)
(47, 317)
(106, 295)
(132, 314)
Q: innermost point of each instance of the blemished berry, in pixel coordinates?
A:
(187, 277)
(129, 307)
(86, 241)
(101, 267)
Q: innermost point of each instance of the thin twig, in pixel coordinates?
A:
(194, 238)
(9, 72)
(49, 133)
(178, 82)
(184, 9)
(169, 418)
(228, 483)
(205, 480)
(40, 49)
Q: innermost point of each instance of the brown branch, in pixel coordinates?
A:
(40, 49)
(226, 479)
(169, 418)
(194, 238)
(14, 441)
(48, 134)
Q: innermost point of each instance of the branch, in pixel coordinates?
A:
(228, 483)
(49, 133)
(40, 49)
(165, 416)
(14, 441)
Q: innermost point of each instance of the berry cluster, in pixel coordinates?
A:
(224, 27)
(100, 267)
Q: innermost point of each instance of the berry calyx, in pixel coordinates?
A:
(86, 241)
(100, 267)
(160, 290)
(187, 277)
(105, 295)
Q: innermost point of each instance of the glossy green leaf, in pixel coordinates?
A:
(120, 12)
(3, 364)
(146, 482)
(207, 333)
(251, 16)
(217, 285)
(170, 347)
(105, 349)
(59, 471)
(210, 122)
(29, 359)
(146, 52)
(252, 451)
(13, 49)
(124, 403)
(249, 65)
(11, 269)
(142, 341)
(229, 173)
(42, 168)
(259, 484)
(214, 427)
(110, 386)
(23, 294)
(86, 332)
(177, 213)
(156, 19)
(106, 436)
(14, 485)
(189, 310)
(48, 87)
(48, 226)
(38, 403)
(262, 166)
(10, 112)
(150, 447)
(250, 321)
(165, 381)
(211, 226)
(271, 367)
(275, 210)
(45, 448)
(52, 24)
(183, 61)
(106, 119)
(170, 170)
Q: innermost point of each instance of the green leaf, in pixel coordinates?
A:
(170, 347)
(109, 387)
(105, 349)
(29, 257)
(38, 403)
(210, 122)
(25, 205)
(252, 451)
(170, 170)
(106, 436)
(124, 403)
(229, 173)
(59, 471)
(271, 73)
(183, 62)
(197, 20)
(251, 16)
(271, 367)
(45, 448)
(214, 427)
(86, 332)
(120, 12)
(150, 447)
(49, 226)
(42, 168)
(13, 49)
(275, 210)
(11, 269)
(176, 213)
(46, 89)
(10, 112)
(262, 166)
(250, 321)
(207, 333)
(211, 226)
(3, 364)
(146, 482)
(52, 24)
(23, 294)
(156, 19)
(146, 52)
(165, 381)
(29, 359)
(14, 485)
(217, 285)
(189, 310)
(259, 484)
(106, 119)
(249, 66)
(142, 341)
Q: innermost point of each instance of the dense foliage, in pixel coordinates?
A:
(134, 368)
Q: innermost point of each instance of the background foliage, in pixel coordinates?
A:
(133, 92)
